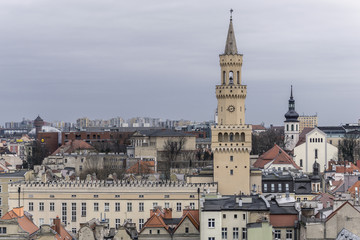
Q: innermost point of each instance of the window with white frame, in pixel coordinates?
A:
(117, 223)
(155, 204)
(41, 221)
(52, 207)
(277, 234)
(117, 207)
(211, 238)
(272, 187)
(265, 187)
(129, 207)
(244, 233)
(235, 233)
(178, 206)
(167, 205)
(83, 209)
(41, 206)
(289, 234)
(224, 233)
(73, 212)
(31, 206)
(96, 207)
(141, 223)
(279, 187)
(64, 213)
(3, 230)
(141, 206)
(287, 187)
(211, 222)
(192, 205)
(106, 207)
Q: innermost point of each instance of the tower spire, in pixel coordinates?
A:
(291, 94)
(230, 46)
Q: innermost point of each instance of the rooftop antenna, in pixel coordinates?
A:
(231, 11)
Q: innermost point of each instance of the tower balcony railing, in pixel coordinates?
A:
(231, 86)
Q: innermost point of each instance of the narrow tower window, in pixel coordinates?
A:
(220, 137)
(238, 77)
(231, 77)
(237, 137)
(224, 77)
(242, 138)
(231, 137)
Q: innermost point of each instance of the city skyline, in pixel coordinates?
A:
(65, 60)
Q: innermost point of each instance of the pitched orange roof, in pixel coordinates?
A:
(24, 222)
(350, 168)
(324, 198)
(72, 146)
(146, 167)
(352, 188)
(277, 155)
(193, 216)
(155, 221)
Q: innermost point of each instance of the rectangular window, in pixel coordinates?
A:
(83, 209)
(96, 207)
(129, 207)
(117, 223)
(277, 234)
(178, 207)
(41, 206)
(155, 204)
(141, 207)
(287, 187)
(289, 234)
(211, 222)
(0, 188)
(41, 221)
(223, 233)
(167, 205)
(272, 187)
(141, 223)
(231, 158)
(279, 187)
(186, 230)
(141, 196)
(192, 196)
(106, 207)
(265, 187)
(96, 196)
(244, 216)
(211, 238)
(244, 233)
(235, 233)
(166, 196)
(73, 212)
(3, 230)
(31, 206)
(235, 216)
(117, 207)
(231, 172)
(73, 230)
(52, 207)
(316, 153)
(64, 213)
(117, 196)
(224, 215)
(192, 205)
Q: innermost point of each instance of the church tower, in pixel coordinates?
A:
(231, 137)
(291, 129)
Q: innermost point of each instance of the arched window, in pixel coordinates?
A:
(297, 127)
(292, 127)
(226, 137)
(242, 137)
(237, 137)
(292, 136)
(238, 77)
(301, 162)
(310, 139)
(287, 127)
(224, 77)
(231, 137)
(220, 137)
(231, 77)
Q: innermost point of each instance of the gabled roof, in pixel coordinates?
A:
(155, 221)
(338, 209)
(24, 222)
(276, 155)
(352, 188)
(72, 146)
(324, 198)
(142, 167)
(302, 136)
(193, 216)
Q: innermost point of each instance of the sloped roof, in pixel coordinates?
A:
(193, 216)
(302, 136)
(324, 198)
(258, 127)
(24, 222)
(146, 167)
(155, 221)
(352, 188)
(338, 209)
(73, 145)
(277, 155)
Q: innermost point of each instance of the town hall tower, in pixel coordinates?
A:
(231, 137)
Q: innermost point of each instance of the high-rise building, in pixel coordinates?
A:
(307, 121)
(231, 137)
(292, 129)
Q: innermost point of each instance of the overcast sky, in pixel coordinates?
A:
(65, 59)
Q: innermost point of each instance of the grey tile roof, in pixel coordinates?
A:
(228, 203)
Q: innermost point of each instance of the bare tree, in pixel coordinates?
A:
(172, 149)
(349, 146)
(95, 164)
(266, 140)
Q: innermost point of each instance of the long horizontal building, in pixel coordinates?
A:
(112, 201)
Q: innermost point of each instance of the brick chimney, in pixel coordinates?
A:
(57, 224)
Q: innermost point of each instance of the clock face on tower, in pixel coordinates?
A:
(231, 108)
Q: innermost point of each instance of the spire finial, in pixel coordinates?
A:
(291, 95)
(231, 11)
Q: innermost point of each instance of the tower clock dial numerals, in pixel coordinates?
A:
(231, 108)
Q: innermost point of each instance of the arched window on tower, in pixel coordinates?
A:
(238, 77)
(224, 78)
(220, 137)
(301, 162)
(297, 127)
(242, 137)
(287, 127)
(226, 137)
(231, 77)
(237, 137)
(292, 127)
(231, 137)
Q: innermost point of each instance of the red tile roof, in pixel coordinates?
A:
(24, 222)
(352, 188)
(146, 167)
(324, 198)
(277, 155)
(72, 146)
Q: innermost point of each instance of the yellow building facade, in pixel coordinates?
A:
(231, 137)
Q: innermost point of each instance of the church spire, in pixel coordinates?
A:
(230, 46)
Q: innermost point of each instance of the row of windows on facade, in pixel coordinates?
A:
(231, 137)
(277, 234)
(279, 188)
(315, 140)
(231, 77)
(116, 196)
(292, 127)
(129, 207)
